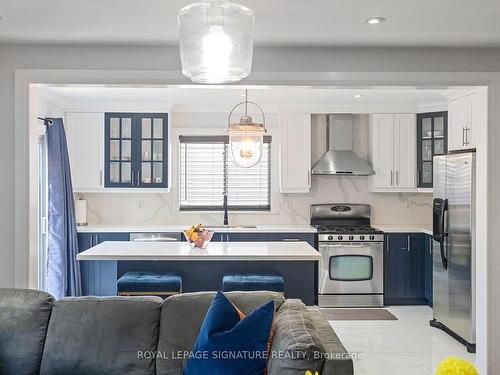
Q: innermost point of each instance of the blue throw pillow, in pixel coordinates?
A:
(230, 343)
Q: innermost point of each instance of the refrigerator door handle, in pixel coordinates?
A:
(444, 234)
(440, 208)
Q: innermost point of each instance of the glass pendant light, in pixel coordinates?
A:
(246, 137)
(216, 41)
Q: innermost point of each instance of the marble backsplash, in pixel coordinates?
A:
(160, 208)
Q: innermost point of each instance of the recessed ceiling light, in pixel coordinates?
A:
(375, 20)
(357, 96)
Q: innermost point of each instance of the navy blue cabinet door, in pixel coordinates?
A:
(99, 277)
(135, 150)
(87, 267)
(247, 237)
(431, 140)
(404, 269)
(428, 269)
(239, 237)
(394, 267)
(106, 270)
(415, 267)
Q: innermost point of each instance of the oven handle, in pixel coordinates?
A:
(354, 244)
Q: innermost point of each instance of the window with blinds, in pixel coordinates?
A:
(207, 171)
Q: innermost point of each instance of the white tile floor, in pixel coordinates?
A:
(407, 346)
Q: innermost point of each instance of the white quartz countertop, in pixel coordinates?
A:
(406, 228)
(126, 228)
(222, 251)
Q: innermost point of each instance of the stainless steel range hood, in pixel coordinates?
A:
(340, 159)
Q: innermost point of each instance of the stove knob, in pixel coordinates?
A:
(351, 238)
(340, 238)
(362, 238)
(372, 237)
(330, 238)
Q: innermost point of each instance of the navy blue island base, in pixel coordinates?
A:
(99, 277)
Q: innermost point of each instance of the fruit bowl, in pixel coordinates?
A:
(198, 237)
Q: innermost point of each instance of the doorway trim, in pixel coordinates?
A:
(488, 207)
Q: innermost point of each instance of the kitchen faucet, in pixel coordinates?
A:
(226, 220)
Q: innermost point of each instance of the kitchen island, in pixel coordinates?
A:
(203, 269)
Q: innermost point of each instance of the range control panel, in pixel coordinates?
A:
(324, 237)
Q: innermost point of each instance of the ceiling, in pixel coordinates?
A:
(216, 97)
(278, 22)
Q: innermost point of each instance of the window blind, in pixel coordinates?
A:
(207, 170)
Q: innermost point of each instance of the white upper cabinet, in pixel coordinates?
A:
(460, 124)
(405, 169)
(464, 114)
(295, 152)
(85, 132)
(381, 150)
(392, 152)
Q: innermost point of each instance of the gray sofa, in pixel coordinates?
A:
(146, 335)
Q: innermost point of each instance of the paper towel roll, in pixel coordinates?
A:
(81, 212)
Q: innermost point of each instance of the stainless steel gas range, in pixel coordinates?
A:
(351, 270)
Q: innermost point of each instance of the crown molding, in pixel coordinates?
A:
(120, 107)
(349, 108)
(441, 106)
(218, 108)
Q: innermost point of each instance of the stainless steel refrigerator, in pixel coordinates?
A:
(454, 255)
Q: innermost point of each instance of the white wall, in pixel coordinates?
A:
(162, 208)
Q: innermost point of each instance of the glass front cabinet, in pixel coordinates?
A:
(136, 150)
(431, 140)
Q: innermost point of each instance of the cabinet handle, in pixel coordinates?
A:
(463, 136)
(430, 247)
(467, 129)
(290, 239)
(138, 179)
(391, 179)
(408, 243)
(133, 181)
(397, 178)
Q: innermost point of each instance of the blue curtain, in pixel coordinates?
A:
(63, 270)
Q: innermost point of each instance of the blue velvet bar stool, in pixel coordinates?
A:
(140, 283)
(274, 283)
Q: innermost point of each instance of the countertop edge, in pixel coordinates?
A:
(266, 258)
(388, 228)
(179, 228)
(285, 228)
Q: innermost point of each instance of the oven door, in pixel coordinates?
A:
(351, 268)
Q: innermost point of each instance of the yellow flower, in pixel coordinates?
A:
(455, 366)
(310, 373)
